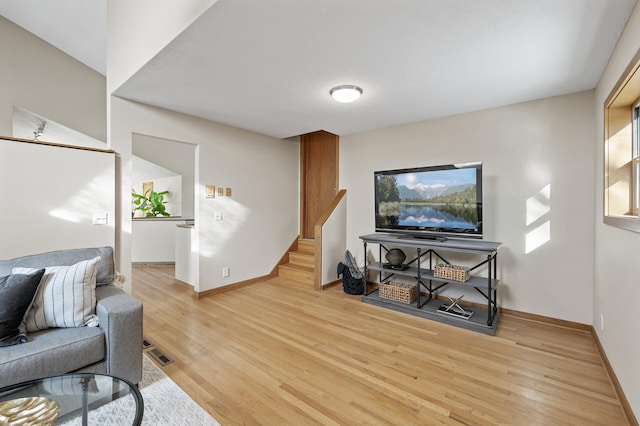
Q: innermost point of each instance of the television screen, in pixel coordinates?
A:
(430, 202)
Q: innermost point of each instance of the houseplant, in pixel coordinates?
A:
(151, 204)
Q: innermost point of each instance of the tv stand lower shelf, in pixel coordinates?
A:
(477, 321)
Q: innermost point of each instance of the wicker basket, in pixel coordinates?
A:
(397, 291)
(451, 272)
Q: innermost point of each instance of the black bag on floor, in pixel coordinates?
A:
(352, 276)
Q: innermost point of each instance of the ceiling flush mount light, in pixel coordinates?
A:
(345, 93)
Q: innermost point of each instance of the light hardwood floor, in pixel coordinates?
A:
(278, 353)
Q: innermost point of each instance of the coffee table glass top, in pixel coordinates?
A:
(72, 399)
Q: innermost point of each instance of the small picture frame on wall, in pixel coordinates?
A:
(146, 187)
(209, 191)
(220, 191)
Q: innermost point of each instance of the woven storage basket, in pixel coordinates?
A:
(397, 291)
(451, 272)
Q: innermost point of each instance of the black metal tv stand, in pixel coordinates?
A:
(427, 253)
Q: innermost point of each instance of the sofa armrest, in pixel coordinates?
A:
(120, 317)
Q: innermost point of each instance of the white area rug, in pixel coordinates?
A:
(164, 404)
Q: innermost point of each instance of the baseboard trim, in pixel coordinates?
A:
(134, 264)
(547, 320)
(331, 284)
(230, 287)
(622, 399)
(182, 283)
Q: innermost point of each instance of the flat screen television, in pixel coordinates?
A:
(433, 202)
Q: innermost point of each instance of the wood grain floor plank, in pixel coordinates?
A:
(276, 352)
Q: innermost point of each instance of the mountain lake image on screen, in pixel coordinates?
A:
(438, 200)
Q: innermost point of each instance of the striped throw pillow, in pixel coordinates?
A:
(66, 296)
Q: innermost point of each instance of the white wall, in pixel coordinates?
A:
(334, 242)
(154, 240)
(524, 148)
(25, 123)
(175, 156)
(40, 78)
(172, 200)
(617, 270)
(260, 219)
(49, 195)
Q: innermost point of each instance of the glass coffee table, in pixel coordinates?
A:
(72, 399)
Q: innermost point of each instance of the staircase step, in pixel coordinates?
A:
(302, 258)
(306, 245)
(297, 273)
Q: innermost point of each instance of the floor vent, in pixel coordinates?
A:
(146, 343)
(160, 357)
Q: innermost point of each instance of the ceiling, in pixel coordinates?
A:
(268, 65)
(77, 27)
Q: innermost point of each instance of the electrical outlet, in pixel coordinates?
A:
(225, 272)
(601, 321)
(217, 216)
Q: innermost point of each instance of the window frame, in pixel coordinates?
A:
(618, 116)
(635, 158)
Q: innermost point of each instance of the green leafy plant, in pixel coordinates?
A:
(151, 204)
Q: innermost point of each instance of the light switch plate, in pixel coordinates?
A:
(100, 218)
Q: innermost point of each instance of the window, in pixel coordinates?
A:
(622, 150)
